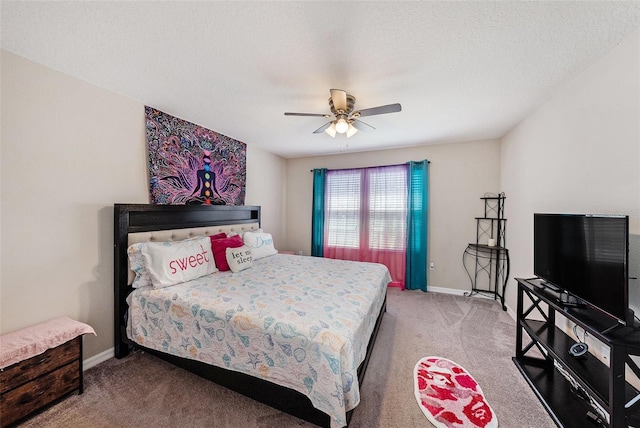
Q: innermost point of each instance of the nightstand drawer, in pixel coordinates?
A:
(41, 391)
(27, 370)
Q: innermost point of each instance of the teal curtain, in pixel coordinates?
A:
(317, 215)
(417, 222)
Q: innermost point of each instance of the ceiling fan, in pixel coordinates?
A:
(346, 120)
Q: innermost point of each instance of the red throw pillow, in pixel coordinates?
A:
(220, 235)
(219, 248)
(215, 237)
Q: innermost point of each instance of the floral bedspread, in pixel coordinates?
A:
(300, 322)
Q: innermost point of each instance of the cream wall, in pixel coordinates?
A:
(459, 174)
(70, 150)
(578, 153)
(266, 186)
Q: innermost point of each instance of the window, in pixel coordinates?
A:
(387, 208)
(343, 202)
(377, 215)
(365, 209)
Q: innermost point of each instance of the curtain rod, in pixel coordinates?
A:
(365, 167)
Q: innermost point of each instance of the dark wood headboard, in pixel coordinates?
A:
(132, 218)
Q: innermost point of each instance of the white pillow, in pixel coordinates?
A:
(136, 264)
(239, 258)
(170, 263)
(230, 234)
(261, 244)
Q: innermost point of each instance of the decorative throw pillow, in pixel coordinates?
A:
(219, 247)
(220, 235)
(239, 258)
(261, 244)
(136, 264)
(171, 263)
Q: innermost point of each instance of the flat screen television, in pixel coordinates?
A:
(585, 256)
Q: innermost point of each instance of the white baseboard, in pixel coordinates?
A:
(457, 292)
(97, 359)
(446, 290)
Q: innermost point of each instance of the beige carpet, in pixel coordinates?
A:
(141, 390)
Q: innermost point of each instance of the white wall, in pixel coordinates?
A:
(70, 150)
(459, 174)
(578, 153)
(266, 186)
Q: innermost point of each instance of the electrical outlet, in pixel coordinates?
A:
(432, 266)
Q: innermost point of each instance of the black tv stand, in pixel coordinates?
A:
(546, 284)
(541, 346)
(563, 298)
(566, 299)
(610, 329)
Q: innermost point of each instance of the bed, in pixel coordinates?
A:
(249, 329)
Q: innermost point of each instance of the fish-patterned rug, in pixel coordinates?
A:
(449, 396)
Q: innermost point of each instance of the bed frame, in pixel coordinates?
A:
(133, 218)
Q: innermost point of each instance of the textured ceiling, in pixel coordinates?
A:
(461, 70)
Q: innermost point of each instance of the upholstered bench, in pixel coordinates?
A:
(39, 365)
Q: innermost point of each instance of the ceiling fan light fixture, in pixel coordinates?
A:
(331, 130)
(346, 120)
(351, 131)
(341, 125)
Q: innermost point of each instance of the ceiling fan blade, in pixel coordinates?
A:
(389, 108)
(308, 114)
(339, 98)
(322, 128)
(361, 126)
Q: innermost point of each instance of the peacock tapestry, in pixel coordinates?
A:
(189, 164)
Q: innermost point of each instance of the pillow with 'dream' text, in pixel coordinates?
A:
(261, 244)
(171, 263)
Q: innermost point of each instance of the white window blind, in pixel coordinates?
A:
(387, 208)
(343, 208)
(366, 208)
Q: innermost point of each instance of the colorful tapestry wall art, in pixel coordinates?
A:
(189, 164)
